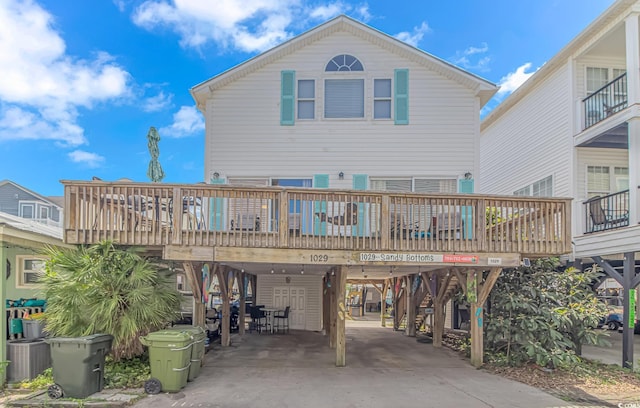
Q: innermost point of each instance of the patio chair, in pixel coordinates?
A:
(258, 320)
(449, 224)
(602, 218)
(349, 217)
(281, 316)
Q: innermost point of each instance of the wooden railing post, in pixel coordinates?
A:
(481, 234)
(385, 228)
(176, 215)
(283, 219)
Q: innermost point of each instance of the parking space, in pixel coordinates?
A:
(612, 354)
(384, 368)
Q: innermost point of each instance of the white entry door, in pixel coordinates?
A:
(295, 298)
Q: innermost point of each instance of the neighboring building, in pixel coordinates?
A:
(341, 106)
(21, 242)
(22, 202)
(573, 130)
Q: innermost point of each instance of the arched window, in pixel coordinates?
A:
(344, 62)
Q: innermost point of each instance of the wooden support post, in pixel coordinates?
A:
(629, 272)
(243, 303)
(333, 312)
(438, 309)
(477, 294)
(410, 330)
(325, 304)
(341, 345)
(225, 337)
(383, 303)
(196, 288)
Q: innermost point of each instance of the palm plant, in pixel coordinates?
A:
(105, 289)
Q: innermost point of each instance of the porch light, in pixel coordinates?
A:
(216, 175)
(341, 175)
(468, 175)
(272, 268)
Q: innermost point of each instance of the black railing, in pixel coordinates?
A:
(607, 212)
(606, 101)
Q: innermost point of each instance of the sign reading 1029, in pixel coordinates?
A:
(318, 258)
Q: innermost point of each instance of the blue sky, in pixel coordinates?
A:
(81, 82)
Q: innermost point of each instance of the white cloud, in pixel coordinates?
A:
(245, 25)
(89, 159)
(466, 59)
(513, 80)
(42, 87)
(186, 122)
(413, 38)
(157, 103)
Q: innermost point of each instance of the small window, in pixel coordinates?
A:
(382, 99)
(344, 62)
(181, 283)
(306, 99)
(541, 188)
(29, 269)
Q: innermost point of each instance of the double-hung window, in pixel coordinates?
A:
(306, 98)
(29, 268)
(382, 98)
(541, 188)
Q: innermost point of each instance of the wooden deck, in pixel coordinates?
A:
(223, 216)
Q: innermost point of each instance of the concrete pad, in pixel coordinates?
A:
(384, 369)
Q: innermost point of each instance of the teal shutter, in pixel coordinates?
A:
(216, 209)
(401, 96)
(466, 187)
(361, 182)
(320, 181)
(287, 97)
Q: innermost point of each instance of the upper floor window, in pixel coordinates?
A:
(344, 98)
(604, 180)
(344, 62)
(541, 188)
(382, 98)
(306, 98)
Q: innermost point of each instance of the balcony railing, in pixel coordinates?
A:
(606, 101)
(274, 217)
(607, 212)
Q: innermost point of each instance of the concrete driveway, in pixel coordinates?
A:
(384, 369)
(613, 354)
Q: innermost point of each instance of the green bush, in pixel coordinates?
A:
(130, 373)
(543, 314)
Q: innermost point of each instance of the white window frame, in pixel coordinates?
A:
(306, 99)
(613, 180)
(21, 281)
(382, 99)
(33, 205)
(530, 189)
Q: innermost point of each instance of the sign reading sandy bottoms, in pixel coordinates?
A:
(408, 257)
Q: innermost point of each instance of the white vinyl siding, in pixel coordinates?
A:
(441, 140)
(344, 98)
(520, 149)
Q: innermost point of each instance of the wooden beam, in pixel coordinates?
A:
(410, 329)
(341, 345)
(225, 338)
(325, 304)
(473, 280)
(333, 305)
(243, 303)
(487, 285)
(383, 303)
(438, 308)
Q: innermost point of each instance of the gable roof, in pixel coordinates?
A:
(559, 60)
(481, 87)
(33, 193)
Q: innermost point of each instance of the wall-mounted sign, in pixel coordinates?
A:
(418, 258)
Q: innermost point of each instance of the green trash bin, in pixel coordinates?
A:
(197, 351)
(170, 358)
(78, 364)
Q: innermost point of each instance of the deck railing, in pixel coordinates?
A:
(608, 212)
(606, 101)
(275, 217)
